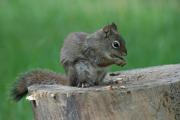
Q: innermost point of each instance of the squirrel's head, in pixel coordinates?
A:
(116, 44)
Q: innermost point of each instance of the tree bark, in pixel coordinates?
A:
(142, 94)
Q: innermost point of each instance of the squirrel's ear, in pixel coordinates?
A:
(114, 26)
(107, 30)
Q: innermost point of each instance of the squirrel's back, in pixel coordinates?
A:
(39, 76)
(73, 46)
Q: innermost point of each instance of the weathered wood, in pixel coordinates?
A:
(142, 94)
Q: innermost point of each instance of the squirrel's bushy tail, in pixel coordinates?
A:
(39, 76)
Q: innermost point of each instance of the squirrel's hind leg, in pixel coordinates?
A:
(86, 74)
(100, 76)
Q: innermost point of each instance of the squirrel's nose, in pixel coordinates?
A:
(124, 53)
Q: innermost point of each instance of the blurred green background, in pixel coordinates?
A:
(32, 32)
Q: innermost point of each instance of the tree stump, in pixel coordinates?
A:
(142, 94)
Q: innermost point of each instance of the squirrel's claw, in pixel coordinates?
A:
(83, 85)
(121, 63)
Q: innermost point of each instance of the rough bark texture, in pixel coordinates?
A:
(141, 94)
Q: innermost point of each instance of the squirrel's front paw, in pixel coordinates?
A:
(120, 62)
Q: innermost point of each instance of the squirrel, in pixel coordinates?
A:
(84, 57)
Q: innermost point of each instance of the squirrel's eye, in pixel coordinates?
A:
(115, 44)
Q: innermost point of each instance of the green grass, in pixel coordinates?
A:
(32, 32)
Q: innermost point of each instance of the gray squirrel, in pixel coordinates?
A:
(84, 57)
